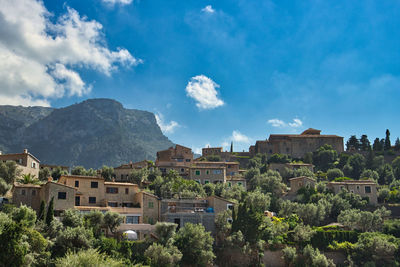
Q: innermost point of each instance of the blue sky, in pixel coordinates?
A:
(213, 71)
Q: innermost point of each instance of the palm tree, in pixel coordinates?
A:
(29, 179)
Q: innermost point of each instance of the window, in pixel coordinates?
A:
(287, 149)
(127, 204)
(112, 190)
(270, 151)
(179, 160)
(206, 181)
(126, 190)
(62, 195)
(132, 219)
(163, 170)
(20, 161)
(182, 170)
(122, 177)
(23, 192)
(77, 183)
(34, 165)
(113, 204)
(367, 189)
(197, 172)
(358, 187)
(187, 160)
(33, 192)
(151, 205)
(94, 184)
(207, 172)
(92, 200)
(240, 183)
(151, 221)
(229, 166)
(229, 184)
(229, 206)
(217, 171)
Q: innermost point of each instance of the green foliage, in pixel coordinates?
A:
(392, 227)
(88, 258)
(112, 220)
(162, 256)
(341, 179)
(289, 255)
(324, 158)
(334, 173)
(269, 182)
(214, 158)
(13, 251)
(44, 174)
(29, 179)
(313, 257)
(302, 233)
(209, 189)
(279, 158)
(195, 244)
(310, 213)
(363, 220)
(72, 218)
(50, 212)
(356, 165)
(388, 145)
(369, 174)
(377, 248)
(72, 239)
(165, 231)
(4, 187)
(94, 220)
(323, 238)
(107, 173)
(134, 251)
(24, 215)
(386, 175)
(352, 143)
(80, 170)
(57, 172)
(9, 171)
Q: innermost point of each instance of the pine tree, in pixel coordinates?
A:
(388, 145)
(353, 143)
(397, 144)
(50, 212)
(365, 144)
(377, 145)
(42, 210)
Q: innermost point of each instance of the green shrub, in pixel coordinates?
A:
(323, 238)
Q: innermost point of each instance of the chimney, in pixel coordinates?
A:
(25, 151)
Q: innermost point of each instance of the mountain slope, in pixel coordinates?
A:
(93, 133)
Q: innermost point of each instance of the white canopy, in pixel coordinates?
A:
(130, 235)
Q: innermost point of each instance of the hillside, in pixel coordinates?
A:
(93, 133)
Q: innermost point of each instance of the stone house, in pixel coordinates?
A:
(196, 211)
(205, 175)
(54, 167)
(297, 145)
(299, 182)
(32, 195)
(122, 172)
(26, 162)
(281, 167)
(178, 158)
(364, 188)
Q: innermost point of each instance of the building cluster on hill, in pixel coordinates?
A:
(141, 209)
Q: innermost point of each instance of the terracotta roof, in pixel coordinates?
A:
(301, 177)
(119, 183)
(220, 198)
(60, 184)
(208, 167)
(149, 194)
(27, 185)
(82, 176)
(355, 182)
(21, 154)
(303, 136)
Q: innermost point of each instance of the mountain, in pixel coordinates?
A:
(92, 133)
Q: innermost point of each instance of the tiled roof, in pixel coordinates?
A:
(118, 183)
(354, 182)
(27, 185)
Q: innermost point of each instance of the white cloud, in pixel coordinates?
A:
(276, 122)
(296, 123)
(121, 2)
(203, 90)
(280, 123)
(239, 137)
(166, 127)
(208, 9)
(39, 56)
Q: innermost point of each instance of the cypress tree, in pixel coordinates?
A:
(42, 210)
(387, 140)
(50, 212)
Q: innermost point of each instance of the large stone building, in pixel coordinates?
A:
(364, 188)
(297, 145)
(122, 172)
(27, 163)
(178, 158)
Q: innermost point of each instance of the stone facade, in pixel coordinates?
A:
(364, 188)
(297, 145)
(150, 206)
(280, 167)
(26, 194)
(299, 182)
(122, 172)
(178, 158)
(26, 162)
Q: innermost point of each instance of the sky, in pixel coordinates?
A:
(212, 71)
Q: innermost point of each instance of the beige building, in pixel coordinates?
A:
(32, 195)
(299, 182)
(178, 158)
(122, 172)
(27, 163)
(297, 145)
(205, 175)
(54, 167)
(364, 188)
(236, 180)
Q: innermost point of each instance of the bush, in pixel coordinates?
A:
(323, 238)
(87, 258)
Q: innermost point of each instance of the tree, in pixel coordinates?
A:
(107, 173)
(78, 170)
(308, 158)
(363, 220)
(4, 187)
(13, 251)
(357, 164)
(214, 158)
(50, 212)
(9, 171)
(209, 189)
(195, 244)
(396, 167)
(365, 145)
(72, 218)
(314, 258)
(369, 174)
(386, 175)
(352, 143)
(95, 221)
(24, 215)
(44, 174)
(42, 211)
(113, 220)
(138, 176)
(302, 233)
(165, 232)
(289, 255)
(388, 145)
(397, 144)
(163, 256)
(324, 158)
(377, 162)
(279, 158)
(29, 179)
(269, 182)
(72, 239)
(377, 146)
(57, 172)
(334, 173)
(90, 257)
